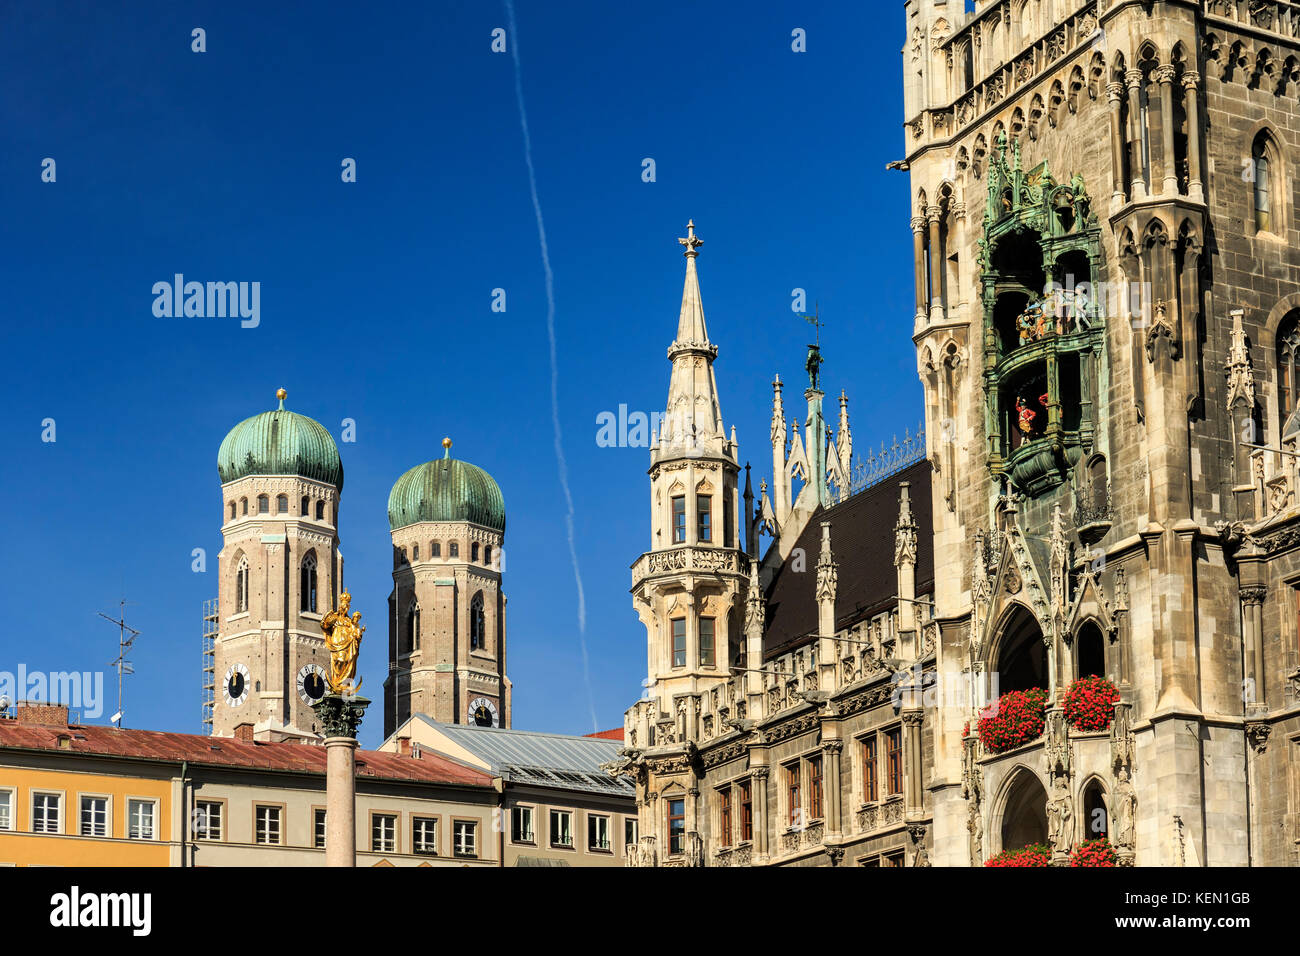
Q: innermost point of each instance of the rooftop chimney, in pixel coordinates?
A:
(244, 732)
(35, 712)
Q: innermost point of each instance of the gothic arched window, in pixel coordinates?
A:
(435, 549)
(413, 625)
(281, 504)
(305, 510)
(487, 555)
(263, 504)
(1264, 173)
(415, 551)
(453, 549)
(232, 511)
(243, 505)
(477, 629)
(473, 551)
(1288, 347)
(241, 586)
(307, 583)
(320, 511)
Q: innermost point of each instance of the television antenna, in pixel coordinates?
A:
(120, 663)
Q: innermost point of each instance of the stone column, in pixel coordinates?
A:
(1252, 634)
(913, 765)
(831, 749)
(758, 785)
(918, 252)
(1114, 97)
(1191, 88)
(1138, 186)
(937, 307)
(340, 716)
(1165, 77)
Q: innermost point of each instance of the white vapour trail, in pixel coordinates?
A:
(513, 40)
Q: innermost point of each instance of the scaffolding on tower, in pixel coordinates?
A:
(209, 662)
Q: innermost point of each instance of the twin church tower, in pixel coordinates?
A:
(281, 571)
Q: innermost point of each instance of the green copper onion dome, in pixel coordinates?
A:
(280, 442)
(446, 490)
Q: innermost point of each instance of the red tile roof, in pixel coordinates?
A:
(227, 752)
(615, 734)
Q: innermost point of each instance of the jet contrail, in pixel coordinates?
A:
(513, 41)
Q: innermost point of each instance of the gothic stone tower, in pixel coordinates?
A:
(1107, 291)
(688, 589)
(447, 612)
(280, 571)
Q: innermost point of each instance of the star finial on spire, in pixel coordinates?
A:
(692, 241)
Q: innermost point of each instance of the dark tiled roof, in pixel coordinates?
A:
(200, 750)
(862, 540)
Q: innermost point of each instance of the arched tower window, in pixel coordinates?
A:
(1096, 819)
(1288, 347)
(415, 551)
(1263, 160)
(487, 555)
(477, 623)
(435, 549)
(1024, 816)
(453, 549)
(243, 506)
(473, 551)
(241, 586)
(307, 583)
(232, 511)
(281, 504)
(413, 625)
(320, 511)
(305, 510)
(263, 505)
(1090, 651)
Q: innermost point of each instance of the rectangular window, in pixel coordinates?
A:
(6, 809)
(45, 812)
(424, 835)
(597, 832)
(383, 833)
(676, 826)
(561, 828)
(703, 511)
(465, 835)
(870, 773)
(318, 828)
(139, 816)
(679, 642)
(894, 759)
(267, 829)
(728, 521)
(521, 825)
(629, 831)
(94, 816)
(746, 811)
(792, 794)
(207, 820)
(706, 642)
(724, 810)
(892, 859)
(814, 788)
(679, 519)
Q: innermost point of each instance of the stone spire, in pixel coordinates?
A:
(905, 559)
(828, 574)
(755, 622)
(844, 438)
(693, 422)
(1241, 375)
(751, 527)
(780, 476)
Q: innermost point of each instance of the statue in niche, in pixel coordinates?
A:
(1125, 810)
(1058, 816)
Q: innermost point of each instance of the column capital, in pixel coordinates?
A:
(1191, 80)
(918, 224)
(1133, 80)
(913, 718)
(1165, 75)
(1253, 595)
(933, 214)
(1114, 92)
(832, 746)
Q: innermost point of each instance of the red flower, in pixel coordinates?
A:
(1017, 719)
(1036, 854)
(1093, 853)
(1089, 703)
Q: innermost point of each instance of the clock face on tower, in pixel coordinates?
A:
(235, 686)
(311, 683)
(482, 712)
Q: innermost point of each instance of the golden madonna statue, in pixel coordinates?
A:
(343, 641)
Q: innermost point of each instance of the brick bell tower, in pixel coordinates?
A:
(280, 571)
(447, 610)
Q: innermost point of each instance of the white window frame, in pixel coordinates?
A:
(418, 842)
(566, 827)
(132, 803)
(601, 821)
(528, 835)
(106, 817)
(207, 821)
(9, 800)
(464, 848)
(279, 824)
(383, 832)
(58, 810)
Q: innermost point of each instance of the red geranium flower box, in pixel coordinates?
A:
(1090, 703)
(1017, 720)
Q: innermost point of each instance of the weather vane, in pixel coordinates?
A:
(816, 321)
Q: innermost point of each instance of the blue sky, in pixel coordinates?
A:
(376, 295)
